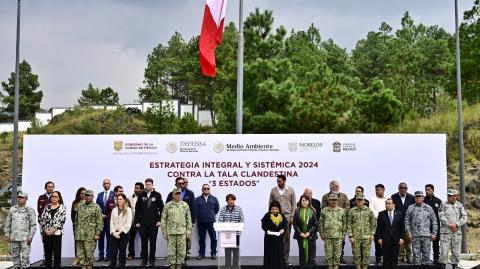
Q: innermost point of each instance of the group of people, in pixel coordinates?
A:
(401, 226)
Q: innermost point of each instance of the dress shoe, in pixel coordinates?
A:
(144, 263)
(213, 257)
(342, 261)
(107, 259)
(100, 259)
(130, 257)
(200, 257)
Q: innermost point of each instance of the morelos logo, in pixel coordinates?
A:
(292, 146)
(118, 145)
(337, 146)
(172, 147)
(218, 147)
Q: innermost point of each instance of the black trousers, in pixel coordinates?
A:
(436, 248)
(119, 248)
(52, 247)
(378, 249)
(302, 253)
(148, 233)
(390, 251)
(131, 241)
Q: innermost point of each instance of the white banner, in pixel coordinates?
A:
(245, 165)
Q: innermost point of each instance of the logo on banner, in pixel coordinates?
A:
(172, 147)
(192, 146)
(218, 147)
(292, 146)
(304, 146)
(117, 145)
(337, 146)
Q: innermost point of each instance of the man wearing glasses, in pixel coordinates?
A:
(188, 197)
(207, 207)
(402, 201)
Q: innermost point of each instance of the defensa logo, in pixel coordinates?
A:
(172, 147)
(117, 145)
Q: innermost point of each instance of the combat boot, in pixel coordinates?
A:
(358, 266)
(365, 266)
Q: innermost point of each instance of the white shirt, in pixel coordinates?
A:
(282, 191)
(377, 204)
(206, 198)
(121, 222)
(403, 198)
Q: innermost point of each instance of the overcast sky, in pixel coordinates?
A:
(70, 43)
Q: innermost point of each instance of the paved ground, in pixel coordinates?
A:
(465, 264)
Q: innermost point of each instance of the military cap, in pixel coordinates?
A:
(360, 197)
(333, 196)
(175, 190)
(22, 194)
(89, 192)
(419, 193)
(452, 192)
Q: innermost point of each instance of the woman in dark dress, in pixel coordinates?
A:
(274, 224)
(305, 226)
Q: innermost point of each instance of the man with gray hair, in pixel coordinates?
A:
(421, 228)
(452, 216)
(20, 228)
(342, 202)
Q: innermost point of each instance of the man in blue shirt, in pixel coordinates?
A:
(207, 207)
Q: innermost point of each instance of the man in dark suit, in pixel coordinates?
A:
(390, 233)
(148, 213)
(188, 197)
(102, 200)
(402, 201)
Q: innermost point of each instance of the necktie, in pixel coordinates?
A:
(105, 198)
(391, 218)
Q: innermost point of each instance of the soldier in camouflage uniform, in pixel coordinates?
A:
(361, 226)
(332, 230)
(20, 228)
(452, 216)
(421, 227)
(89, 225)
(176, 226)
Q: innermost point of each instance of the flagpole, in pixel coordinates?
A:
(460, 126)
(15, 109)
(240, 71)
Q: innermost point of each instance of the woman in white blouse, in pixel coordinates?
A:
(120, 224)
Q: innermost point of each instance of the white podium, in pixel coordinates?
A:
(228, 244)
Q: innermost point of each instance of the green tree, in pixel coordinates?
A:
(30, 97)
(95, 96)
(470, 55)
(377, 107)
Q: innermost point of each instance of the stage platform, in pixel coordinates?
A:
(247, 263)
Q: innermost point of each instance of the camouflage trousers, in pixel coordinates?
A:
(421, 248)
(361, 251)
(20, 252)
(333, 250)
(405, 249)
(85, 251)
(450, 242)
(177, 249)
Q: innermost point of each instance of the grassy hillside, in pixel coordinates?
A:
(447, 123)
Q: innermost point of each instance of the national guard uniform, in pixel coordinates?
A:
(332, 228)
(20, 228)
(176, 225)
(421, 225)
(450, 240)
(89, 224)
(361, 227)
